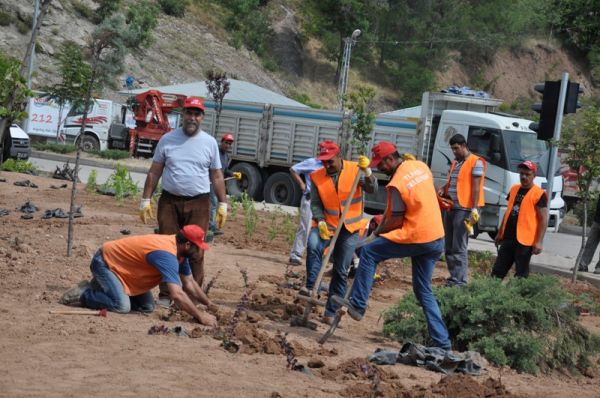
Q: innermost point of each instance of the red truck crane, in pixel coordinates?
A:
(151, 111)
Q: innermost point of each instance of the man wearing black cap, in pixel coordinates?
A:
(126, 270)
(187, 159)
(524, 225)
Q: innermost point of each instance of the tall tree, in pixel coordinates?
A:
(581, 138)
(75, 74)
(11, 103)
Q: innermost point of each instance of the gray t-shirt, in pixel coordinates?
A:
(187, 162)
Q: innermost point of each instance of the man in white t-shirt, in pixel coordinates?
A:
(187, 159)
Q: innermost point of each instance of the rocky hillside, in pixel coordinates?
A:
(184, 48)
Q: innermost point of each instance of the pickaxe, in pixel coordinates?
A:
(80, 312)
(313, 299)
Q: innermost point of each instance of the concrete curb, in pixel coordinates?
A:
(565, 273)
(102, 163)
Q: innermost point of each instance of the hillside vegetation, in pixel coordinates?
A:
(295, 47)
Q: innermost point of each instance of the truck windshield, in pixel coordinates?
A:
(77, 109)
(524, 146)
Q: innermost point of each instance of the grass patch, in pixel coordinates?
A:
(6, 18)
(54, 147)
(18, 166)
(115, 154)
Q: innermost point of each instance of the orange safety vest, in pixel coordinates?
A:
(527, 222)
(333, 200)
(127, 259)
(422, 217)
(464, 183)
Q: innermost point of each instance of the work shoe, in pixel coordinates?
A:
(354, 312)
(72, 296)
(294, 261)
(217, 232)
(304, 291)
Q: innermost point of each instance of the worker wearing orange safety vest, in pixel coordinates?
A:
(465, 188)
(411, 227)
(524, 224)
(330, 189)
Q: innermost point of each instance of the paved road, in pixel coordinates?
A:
(558, 257)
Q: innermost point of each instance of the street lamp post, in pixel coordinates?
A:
(343, 82)
(36, 11)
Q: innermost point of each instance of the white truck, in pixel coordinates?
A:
(44, 116)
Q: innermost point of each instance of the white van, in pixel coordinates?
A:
(16, 143)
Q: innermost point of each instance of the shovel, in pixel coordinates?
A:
(101, 313)
(313, 299)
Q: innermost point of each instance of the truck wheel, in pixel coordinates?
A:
(89, 143)
(251, 181)
(281, 189)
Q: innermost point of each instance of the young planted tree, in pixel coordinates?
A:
(362, 107)
(106, 51)
(218, 86)
(75, 74)
(581, 137)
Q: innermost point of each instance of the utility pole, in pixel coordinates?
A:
(36, 12)
(343, 82)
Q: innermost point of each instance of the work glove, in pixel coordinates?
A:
(237, 175)
(363, 163)
(408, 156)
(146, 211)
(221, 215)
(471, 220)
(324, 231)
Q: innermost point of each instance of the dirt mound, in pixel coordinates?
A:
(356, 369)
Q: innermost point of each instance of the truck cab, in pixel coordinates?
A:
(504, 142)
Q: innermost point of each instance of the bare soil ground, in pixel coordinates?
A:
(72, 356)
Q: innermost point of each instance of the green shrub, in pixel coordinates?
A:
(18, 166)
(304, 99)
(175, 8)
(121, 183)
(23, 28)
(527, 324)
(54, 147)
(115, 154)
(5, 18)
(91, 184)
(83, 10)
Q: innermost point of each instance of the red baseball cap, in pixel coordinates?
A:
(528, 164)
(194, 102)
(194, 234)
(227, 137)
(327, 150)
(381, 150)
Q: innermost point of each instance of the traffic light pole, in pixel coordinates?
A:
(564, 83)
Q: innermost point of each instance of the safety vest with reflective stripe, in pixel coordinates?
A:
(527, 222)
(464, 183)
(422, 216)
(333, 200)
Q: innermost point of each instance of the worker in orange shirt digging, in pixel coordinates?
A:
(126, 270)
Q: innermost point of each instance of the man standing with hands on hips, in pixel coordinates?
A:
(187, 159)
(465, 188)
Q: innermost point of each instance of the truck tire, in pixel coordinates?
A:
(251, 181)
(89, 143)
(282, 190)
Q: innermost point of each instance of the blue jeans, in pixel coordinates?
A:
(342, 256)
(108, 293)
(423, 256)
(214, 202)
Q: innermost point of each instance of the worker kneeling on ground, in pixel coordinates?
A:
(330, 189)
(126, 270)
(411, 227)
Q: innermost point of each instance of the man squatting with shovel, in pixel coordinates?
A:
(126, 270)
(411, 227)
(330, 189)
